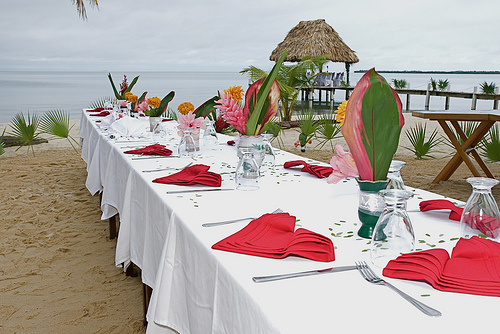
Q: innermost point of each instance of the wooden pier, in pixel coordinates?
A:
(330, 91)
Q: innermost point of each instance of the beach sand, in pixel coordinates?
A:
(57, 271)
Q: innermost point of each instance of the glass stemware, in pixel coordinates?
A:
(247, 172)
(187, 146)
(210, 140)
(393, 234)
(269, 157)
(481, 215)
(394, 175)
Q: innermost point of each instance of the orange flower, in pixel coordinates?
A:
(185, 108)
(341, 113)
(236, 93)
(131, 97)
(154, 102)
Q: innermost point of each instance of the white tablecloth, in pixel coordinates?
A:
(200, 290)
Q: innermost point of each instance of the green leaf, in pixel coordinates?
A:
(207, 107)
(263, 95)
(117, 95)
(56, 123)
(380, 115)
(25, 131)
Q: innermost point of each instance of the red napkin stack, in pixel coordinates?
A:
(102, 113)
(474, 267)
(155, 149)
(95, 110)
(272, 235)
(195, 174)
(318, 171)
(488, 225)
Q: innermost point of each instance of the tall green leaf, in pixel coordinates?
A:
(263, 95)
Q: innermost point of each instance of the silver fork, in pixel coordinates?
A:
(225, 222)
(371, 277)
(167, 168)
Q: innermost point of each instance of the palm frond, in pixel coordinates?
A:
(100, 102)
(328, 130)
(80, 7)
(56, 123)
(25, 131)
(416, 136)
(2, 151)
(490, 145)
(274, 128)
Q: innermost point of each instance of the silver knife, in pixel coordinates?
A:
(302, 273)
(196, 191)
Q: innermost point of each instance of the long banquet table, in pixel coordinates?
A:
(200, 290)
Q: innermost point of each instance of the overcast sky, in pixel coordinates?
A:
(228, 35)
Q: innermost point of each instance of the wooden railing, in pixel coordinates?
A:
(408, 92)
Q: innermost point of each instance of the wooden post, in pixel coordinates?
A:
(474, 99)
(427, 97)
(495, 101)
(407, 101)
(447, 103)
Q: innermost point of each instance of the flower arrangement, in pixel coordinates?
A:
(136, 102)
(371, 128)
(261, 103)
(124, 87)
(155, 107)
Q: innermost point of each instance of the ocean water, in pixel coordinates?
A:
(38, 92)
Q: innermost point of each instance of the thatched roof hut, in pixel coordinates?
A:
(315, 38)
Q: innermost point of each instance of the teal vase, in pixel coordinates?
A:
(371, 205)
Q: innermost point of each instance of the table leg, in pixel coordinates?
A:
(482, 129)
(464, 150)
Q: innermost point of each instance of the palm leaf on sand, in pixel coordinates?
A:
(416, 136)
(2, 151)
(328, 130)
(26, 131)
(56, 123)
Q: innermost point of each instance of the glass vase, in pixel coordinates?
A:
(247, 172)
(254, 144)
(370, 205)
(394, 175)
(481, 216)
(393, 234)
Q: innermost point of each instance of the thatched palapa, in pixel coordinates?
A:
(315, 38)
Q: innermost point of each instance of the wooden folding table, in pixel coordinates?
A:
(486, 120)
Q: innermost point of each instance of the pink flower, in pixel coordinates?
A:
(343, 165)
(190, 121)
(231, 112)
(142, 106)
(123, 103)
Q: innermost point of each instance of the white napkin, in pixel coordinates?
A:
(108, 120)
(127, 126)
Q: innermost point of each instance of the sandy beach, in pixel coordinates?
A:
(57, 271)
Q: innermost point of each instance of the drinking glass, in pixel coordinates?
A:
(393, 234)
(394, 175)
(247, 172)
(210, 140)
(481, 215)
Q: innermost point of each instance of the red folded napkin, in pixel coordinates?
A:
(272, 235)
(95, 110)
(318, 171)
(473, 268)
(195, 174)
(102, 113)
(155, 149)
(488, 225)
(440, 204)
